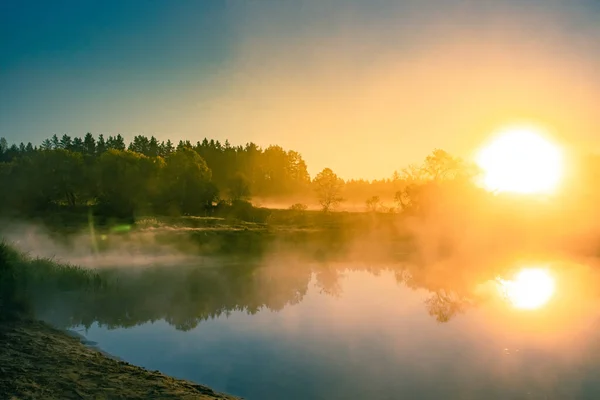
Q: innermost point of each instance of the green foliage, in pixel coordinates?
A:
(242, 210)
(281, 173)
(150, 176)
(186, 184)
(11, 306)
(3, 146)
(239, 188)
(125, 181)
(5, 183)
(46, 177)
(23, 279)
(188, 179)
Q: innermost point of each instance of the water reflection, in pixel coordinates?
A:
(185, 295)
(351, 331)
(529, 289)
(296, 327)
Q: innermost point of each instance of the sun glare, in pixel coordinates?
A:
(521, 160)
(531, 288)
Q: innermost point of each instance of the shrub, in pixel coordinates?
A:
(298, 207)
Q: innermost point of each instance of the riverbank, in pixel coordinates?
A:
(38, 361)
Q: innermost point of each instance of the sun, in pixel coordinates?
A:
(521, 160)
(531, 288)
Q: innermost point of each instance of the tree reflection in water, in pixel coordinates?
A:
(185, 295)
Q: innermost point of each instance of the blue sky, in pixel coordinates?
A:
(68, 64)
(335, 80)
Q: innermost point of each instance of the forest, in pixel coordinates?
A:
(147, 177)
(143, 176)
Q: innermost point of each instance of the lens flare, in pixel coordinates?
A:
(530, 289)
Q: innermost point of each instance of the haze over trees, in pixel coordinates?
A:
(328, 187)
(146, 176)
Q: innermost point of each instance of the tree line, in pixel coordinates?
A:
(143, 175)
(151, 176)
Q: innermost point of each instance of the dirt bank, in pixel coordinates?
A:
(40, 362)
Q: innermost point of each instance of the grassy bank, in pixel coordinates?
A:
(22, 277)
(241, 215)
(38, 361)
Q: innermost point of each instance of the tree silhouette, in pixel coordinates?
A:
(234, 171)
(89, 144)
(65, 142)
(374, 204)
(101, 145)
(124, 181)
(55, 142)
(428, 184)
(186, 182)
(239, 188)
(328, 187)
(77, 145)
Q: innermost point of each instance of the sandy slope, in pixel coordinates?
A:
(40, 362)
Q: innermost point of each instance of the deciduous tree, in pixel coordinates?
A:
(328, 187)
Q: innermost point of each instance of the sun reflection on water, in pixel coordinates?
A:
(530, 289)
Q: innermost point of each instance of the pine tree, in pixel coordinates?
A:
(89, 144)
(153, 147)
(77, 145)
(46, 145)
(55, 142)
(101, 145)
(119, 143)
(169, 147)
(3, 145)
(65, 142)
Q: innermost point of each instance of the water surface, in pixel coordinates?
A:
(341, 333)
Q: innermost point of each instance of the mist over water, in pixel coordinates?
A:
(92, 249)
(360, 318)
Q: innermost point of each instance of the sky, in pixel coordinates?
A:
(362, 87)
